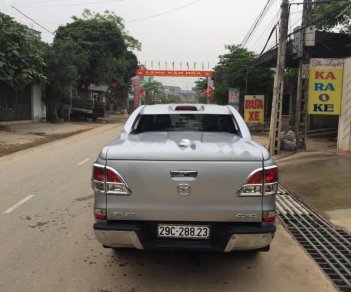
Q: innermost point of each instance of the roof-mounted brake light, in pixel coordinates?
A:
(186, 108)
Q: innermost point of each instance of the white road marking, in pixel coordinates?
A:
(82, 162)
(9, 210)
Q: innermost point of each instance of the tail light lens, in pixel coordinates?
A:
(271, 180)
(255, 178)
(271, 174)
(100, 214)
(107, 180)
(98, 173)
(268, 216)
(253, 184)
(266, 178)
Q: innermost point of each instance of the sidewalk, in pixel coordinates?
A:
(26, 134)
(321, 176)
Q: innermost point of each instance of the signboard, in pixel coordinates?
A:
(174, 73)
(254, 109)
(136, 85)
(325, 86)
(233, 97)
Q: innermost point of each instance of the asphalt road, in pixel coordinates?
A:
(47, 241)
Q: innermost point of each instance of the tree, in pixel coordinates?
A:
(153, 89)
(21, 55)
(94, 48)
(63, 58)
(235, 69)
(106, 43)
(200, 87)
(333, 16)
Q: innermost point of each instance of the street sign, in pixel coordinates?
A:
(233, 97)
(254, 109)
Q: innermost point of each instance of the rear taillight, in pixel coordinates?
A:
(100, 214)
(112, 177)
(271, 174)
(98, 173)
(253, 184)
(255, 178)
(268, 216)
(108, 180)
(271, 180)
(262, 178)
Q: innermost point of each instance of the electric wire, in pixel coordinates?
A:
(164, 12)
(71, 4)
(32, 20)
(251, 29)
(269, 37)
(318, 20)
(37, 2)
(270, 25)
(257, 22)
(258, 62)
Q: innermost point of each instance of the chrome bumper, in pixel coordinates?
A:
(126, 234)
(117, 238)
(248, 241)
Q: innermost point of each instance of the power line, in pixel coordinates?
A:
(164, 12)
(270, 25)
(269, 37)
(257, 63)
(72, 4)
(256, 22)
(37, 2)
(32, 20)
(318, 20)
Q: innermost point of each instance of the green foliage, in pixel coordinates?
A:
(106, 44)
(64, 58)
(21, 55)
(153, 89)
(235, 70)
(200, 86)
(94, 48)
(339, 20)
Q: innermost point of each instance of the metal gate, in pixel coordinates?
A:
(15, 105)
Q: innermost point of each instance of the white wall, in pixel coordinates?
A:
(38, 106)
(344, 132)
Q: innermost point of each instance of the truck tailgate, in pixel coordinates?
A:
(211, 195)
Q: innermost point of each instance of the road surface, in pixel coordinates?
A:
(47, 240)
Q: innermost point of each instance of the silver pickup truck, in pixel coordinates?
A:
(185, 176)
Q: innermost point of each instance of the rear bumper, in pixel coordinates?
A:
(225, 237)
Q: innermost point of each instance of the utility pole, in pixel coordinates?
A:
(276, 114)
(301, 118)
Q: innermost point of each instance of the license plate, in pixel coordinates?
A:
(183, 231)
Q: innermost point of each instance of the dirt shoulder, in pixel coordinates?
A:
(17, 136)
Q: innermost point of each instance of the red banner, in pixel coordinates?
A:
(175, 73)
(136, 83)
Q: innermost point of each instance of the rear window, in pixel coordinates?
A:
(186, 122)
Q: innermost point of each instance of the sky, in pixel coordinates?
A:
(178, 31)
